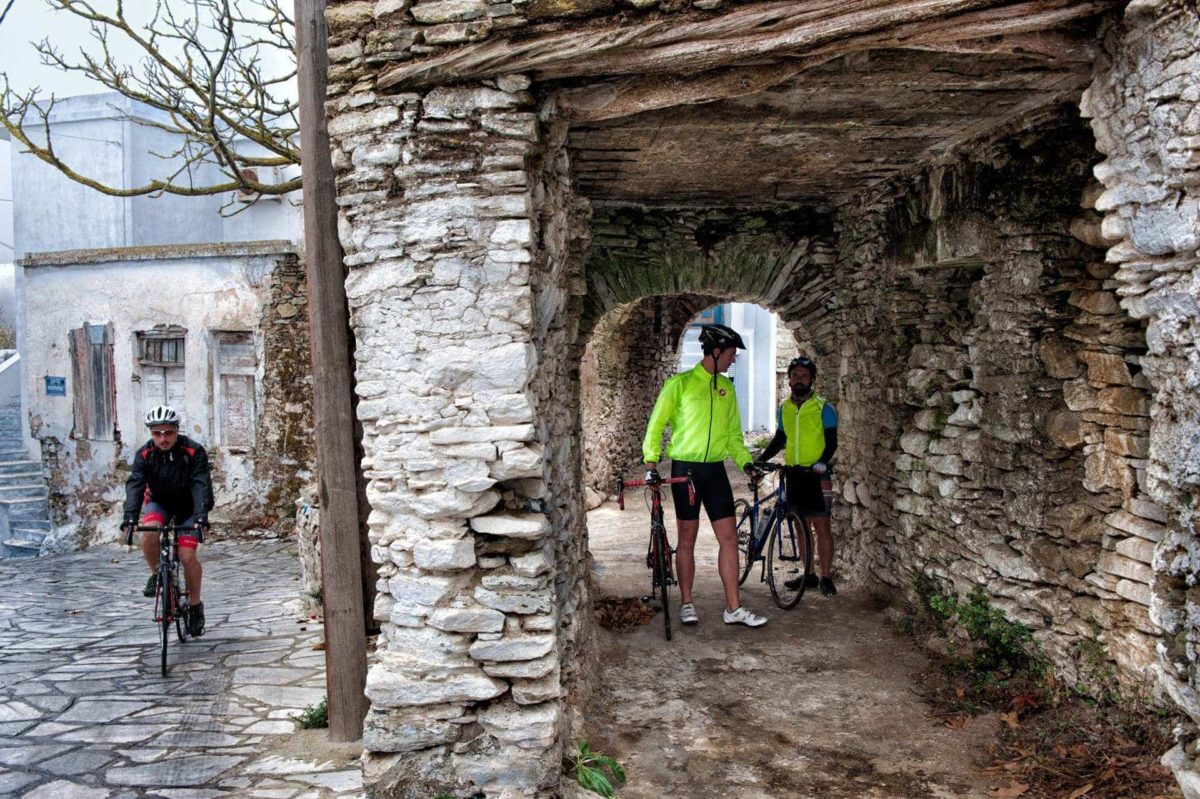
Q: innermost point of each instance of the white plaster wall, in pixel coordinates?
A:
(53, 213)
(754, 373)
(202, 294)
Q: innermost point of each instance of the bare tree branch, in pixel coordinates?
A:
(216, 74)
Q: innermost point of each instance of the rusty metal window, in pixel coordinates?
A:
(235, 387)
(93, 386)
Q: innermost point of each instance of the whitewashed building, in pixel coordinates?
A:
(127, 303)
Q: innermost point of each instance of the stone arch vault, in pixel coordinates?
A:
(1012, 342)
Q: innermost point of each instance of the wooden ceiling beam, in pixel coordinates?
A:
(809, 30)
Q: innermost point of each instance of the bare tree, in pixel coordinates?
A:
(219, 76)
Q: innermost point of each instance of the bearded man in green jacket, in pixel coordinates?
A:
(706, 429)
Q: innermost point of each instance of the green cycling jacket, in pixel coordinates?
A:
(705, 424)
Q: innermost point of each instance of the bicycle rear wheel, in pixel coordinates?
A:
(166, 595)
(745, 538)
(789, 560)
(662, 572)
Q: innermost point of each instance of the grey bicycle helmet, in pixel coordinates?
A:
(719, 337)
(807, 363)
(161, 414)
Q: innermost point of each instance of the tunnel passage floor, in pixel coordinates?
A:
(821, 702)
(84, 713)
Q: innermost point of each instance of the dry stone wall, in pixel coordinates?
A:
(996, 424)
(458, 230)
(1144, 108)
(285, 451)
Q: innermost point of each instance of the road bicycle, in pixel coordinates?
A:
(659, 554)
(787, 567)
(171, 596)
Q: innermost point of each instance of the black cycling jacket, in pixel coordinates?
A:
(177, 479)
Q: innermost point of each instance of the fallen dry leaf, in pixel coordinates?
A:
(1010, 719)
(1023, 702)
(1011, 791)
(1079, 792)
(319, 647)
(956, 722)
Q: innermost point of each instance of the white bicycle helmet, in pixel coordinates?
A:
(162, 414)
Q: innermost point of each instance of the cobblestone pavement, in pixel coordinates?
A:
(85, 714)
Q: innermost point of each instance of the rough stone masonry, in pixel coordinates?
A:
(1011, 345)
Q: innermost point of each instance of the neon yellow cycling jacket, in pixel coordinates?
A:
(705, 424)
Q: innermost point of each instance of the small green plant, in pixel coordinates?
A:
(760, 442)
(314, 717)
(595, 771)
(318, 595)
(1002, 647)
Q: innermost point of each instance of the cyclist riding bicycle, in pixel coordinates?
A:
(706, 429)
(170, 476)
(807, 427)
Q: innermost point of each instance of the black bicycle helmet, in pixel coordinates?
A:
(807, 363)
(719, 337)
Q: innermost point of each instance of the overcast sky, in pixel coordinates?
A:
(29, 21)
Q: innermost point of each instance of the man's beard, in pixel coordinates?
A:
(801, 392)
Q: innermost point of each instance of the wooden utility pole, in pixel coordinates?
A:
(333, 379)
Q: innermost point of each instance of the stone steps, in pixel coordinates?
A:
(24, 496)
(23, 489)
(26, 509)
(20, 548)
(21, 467)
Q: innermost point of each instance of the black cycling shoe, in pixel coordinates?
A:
(827, 586)
(810, 582)
(151, 585)
(195, 620)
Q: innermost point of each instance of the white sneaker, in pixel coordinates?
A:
(687, 613)
(743, 616)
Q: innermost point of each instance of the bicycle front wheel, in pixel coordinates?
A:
(745, 538)
(179, 611)
(789, 560)
(662, 572)
(166, 594)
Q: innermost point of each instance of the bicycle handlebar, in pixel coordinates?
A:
(765, 466)
(622, 484)
(160, 528)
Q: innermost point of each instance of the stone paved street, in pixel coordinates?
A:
(85, 714)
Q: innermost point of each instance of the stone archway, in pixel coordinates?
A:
(475, 274)
(633, 349)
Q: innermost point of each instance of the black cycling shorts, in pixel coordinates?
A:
(712, 489)
(809, 494)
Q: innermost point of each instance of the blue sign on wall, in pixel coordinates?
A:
(56, 386)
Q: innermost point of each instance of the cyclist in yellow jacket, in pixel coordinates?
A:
(808, 429)
(706, 429)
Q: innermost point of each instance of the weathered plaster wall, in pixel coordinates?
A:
(206, 289)
(54, 213)
(1144, 108)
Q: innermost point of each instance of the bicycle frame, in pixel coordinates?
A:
(777, 534)
(659, 552)
(171, 597)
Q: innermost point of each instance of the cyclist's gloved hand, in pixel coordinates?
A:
(128, 524)
(202, 524)
(652, 476)
(820, 468)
